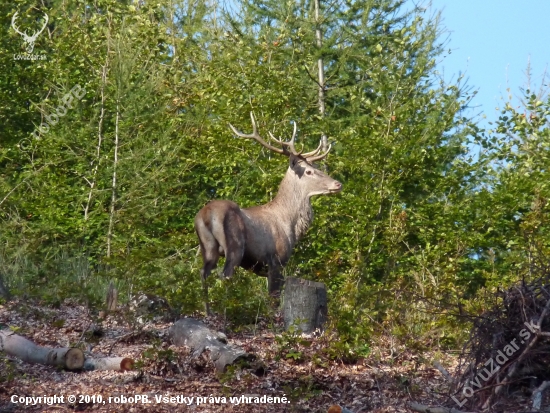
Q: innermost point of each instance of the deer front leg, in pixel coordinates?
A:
(275, 280)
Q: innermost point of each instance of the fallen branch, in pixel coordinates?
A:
(198, 337)
(443, 371)
(427, 409)
(17, 346)
(537, 395)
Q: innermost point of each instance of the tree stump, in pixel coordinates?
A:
(304, 304)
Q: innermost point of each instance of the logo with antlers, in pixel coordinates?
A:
(29, 40)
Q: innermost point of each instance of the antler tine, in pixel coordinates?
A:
(256, 136)
(43, 27)
(290, 144)
(13, 19)
(319, 157)
(315, 152)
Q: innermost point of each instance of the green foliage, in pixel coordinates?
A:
(110, 190)
(290, 342)
(516, 228)
(242, 299)
(8, 370)
(304, 388)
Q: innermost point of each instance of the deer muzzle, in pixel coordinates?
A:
(335, 187)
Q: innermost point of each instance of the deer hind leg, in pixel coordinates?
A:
(234, 241)
(210, 256)
(210, 252)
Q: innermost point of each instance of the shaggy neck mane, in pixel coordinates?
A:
(292, 206)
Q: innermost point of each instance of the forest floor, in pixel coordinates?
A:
(308, 380)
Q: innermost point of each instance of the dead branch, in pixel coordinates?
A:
(508, 346)
(523, 354)
(537, 395)
(443, 371)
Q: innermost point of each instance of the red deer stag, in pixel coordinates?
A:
(263, 235)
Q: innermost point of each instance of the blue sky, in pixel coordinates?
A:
(492, 42)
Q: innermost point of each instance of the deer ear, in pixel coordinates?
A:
(293, 160)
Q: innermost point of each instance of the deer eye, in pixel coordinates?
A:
(309, 172)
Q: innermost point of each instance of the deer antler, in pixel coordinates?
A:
(29, 39)
(46, 18)
(312, 156)
(287, 147)
(13, 19)
(290, 144)
(256, 136)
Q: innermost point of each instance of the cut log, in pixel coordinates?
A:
(338, 409)
(109, 363)
(198, 337)
(20, 347)
(304, 304)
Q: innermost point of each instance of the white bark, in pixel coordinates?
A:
(113, 193)
(537, 395)
(109, 363)
(92, 183)
(17, 346)
(321, 71)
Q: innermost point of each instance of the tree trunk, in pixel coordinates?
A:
(112, 297)
(20, 347)
(320, 71)
(198, 337)
(114, 187)
(304, 304)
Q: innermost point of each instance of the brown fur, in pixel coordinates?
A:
(264, 235)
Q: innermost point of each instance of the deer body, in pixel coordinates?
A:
(265, 235)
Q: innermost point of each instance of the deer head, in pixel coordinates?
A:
(307, 178)
(29, 40)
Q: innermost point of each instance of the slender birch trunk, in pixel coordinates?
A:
(92, 183)
(113, 193)
(321, 70)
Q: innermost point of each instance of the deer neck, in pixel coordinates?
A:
(292, 206)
